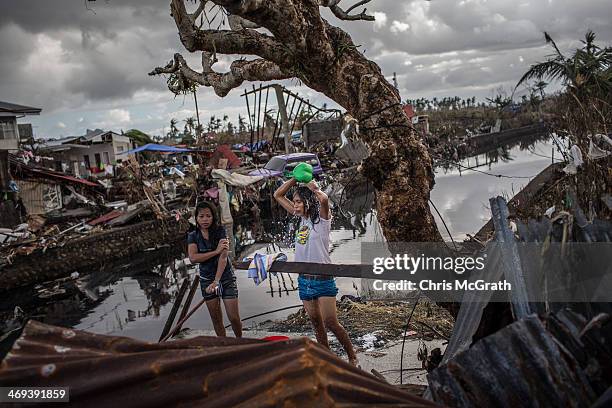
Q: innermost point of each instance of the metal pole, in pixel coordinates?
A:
(265, 113)
(249, 114)
(511, 261)
(283, 112)
(258, 112)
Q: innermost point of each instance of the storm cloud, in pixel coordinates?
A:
(86, 63)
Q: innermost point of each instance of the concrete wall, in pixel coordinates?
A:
(9, 141)
(76, 155)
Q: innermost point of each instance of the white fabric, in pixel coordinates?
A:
(312, 242)
(576, 160)
(235, 179)
(226, 214)
(176, 171)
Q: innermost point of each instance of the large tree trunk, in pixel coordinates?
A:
(303, 45)
(399, 165)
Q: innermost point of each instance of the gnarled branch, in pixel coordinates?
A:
(345, 15)
(243, 42)
(238, 23)
(222, 83)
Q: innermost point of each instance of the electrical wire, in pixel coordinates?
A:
(483, 172)
(444, 222)
(416, 302)
(266, 313)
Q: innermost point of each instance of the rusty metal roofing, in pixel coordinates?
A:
(522, 364)
(104, 371)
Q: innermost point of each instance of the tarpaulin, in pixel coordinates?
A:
(152, 147)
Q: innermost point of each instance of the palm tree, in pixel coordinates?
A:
(190, 125)
(173, 129)
(539, 86)
(241, 123)
(588, 71)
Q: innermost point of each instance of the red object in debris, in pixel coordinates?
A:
(226, 151)
(409, 111)
(106, 217)
(275, 338)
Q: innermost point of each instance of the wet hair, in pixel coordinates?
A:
(311, 204)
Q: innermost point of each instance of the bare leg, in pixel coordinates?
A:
(233, 314)
(330, 320)
(313, 311)
(214, 308)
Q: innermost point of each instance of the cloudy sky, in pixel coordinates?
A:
(86, 63)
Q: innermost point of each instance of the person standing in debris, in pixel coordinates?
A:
(208, 245)
(317, 293)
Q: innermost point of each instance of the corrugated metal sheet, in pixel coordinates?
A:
(34, 195)
(105, 371)
(522, 364)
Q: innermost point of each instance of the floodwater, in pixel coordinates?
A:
(137, 304)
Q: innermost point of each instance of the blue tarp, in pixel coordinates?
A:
(152, 147)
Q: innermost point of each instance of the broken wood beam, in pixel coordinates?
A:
(192, 290)
(335, 270)
(175, 307)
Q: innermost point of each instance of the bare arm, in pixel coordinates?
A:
(279, 195)
(221, 264)
(195, 257)
(324, 212)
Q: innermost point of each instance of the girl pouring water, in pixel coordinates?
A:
(317, 293)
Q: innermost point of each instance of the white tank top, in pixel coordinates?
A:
(312, 241)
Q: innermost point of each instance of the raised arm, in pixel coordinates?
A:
(279, 195)
(195, 257)
(324, 212)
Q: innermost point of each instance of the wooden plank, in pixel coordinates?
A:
(194, 286)
(336, 270)
(175, 308)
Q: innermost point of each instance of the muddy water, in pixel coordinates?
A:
(137, 305)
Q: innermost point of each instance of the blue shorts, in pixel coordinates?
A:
(311, 289)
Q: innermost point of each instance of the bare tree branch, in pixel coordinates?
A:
(198, 11)
(359, 3)
(222, 83)
(345, 15)
(238, 23)
(243, 42)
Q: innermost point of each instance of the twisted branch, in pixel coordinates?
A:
(345, 15)
(222, 83)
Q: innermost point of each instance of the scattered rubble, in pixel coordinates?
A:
(372, 324)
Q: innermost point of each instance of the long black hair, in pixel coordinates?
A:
(311, 204)
(213, 230)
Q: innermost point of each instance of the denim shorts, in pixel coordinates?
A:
(311, 289)
(227, 288)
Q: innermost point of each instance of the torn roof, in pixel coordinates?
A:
(7, 107)
(203, 371)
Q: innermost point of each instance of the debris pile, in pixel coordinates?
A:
(373, 323)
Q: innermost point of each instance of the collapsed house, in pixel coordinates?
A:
(90, 155)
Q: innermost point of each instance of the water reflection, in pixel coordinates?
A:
(134, 299)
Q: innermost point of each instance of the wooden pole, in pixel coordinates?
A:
(183, 320)
(283, 112)
(175, 307)
(194, 286)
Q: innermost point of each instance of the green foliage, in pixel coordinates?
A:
(139, 137)
(587, 72)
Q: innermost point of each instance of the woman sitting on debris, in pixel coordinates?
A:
(208, 245)
(317, 292)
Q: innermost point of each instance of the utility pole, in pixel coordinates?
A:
(283, 113)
